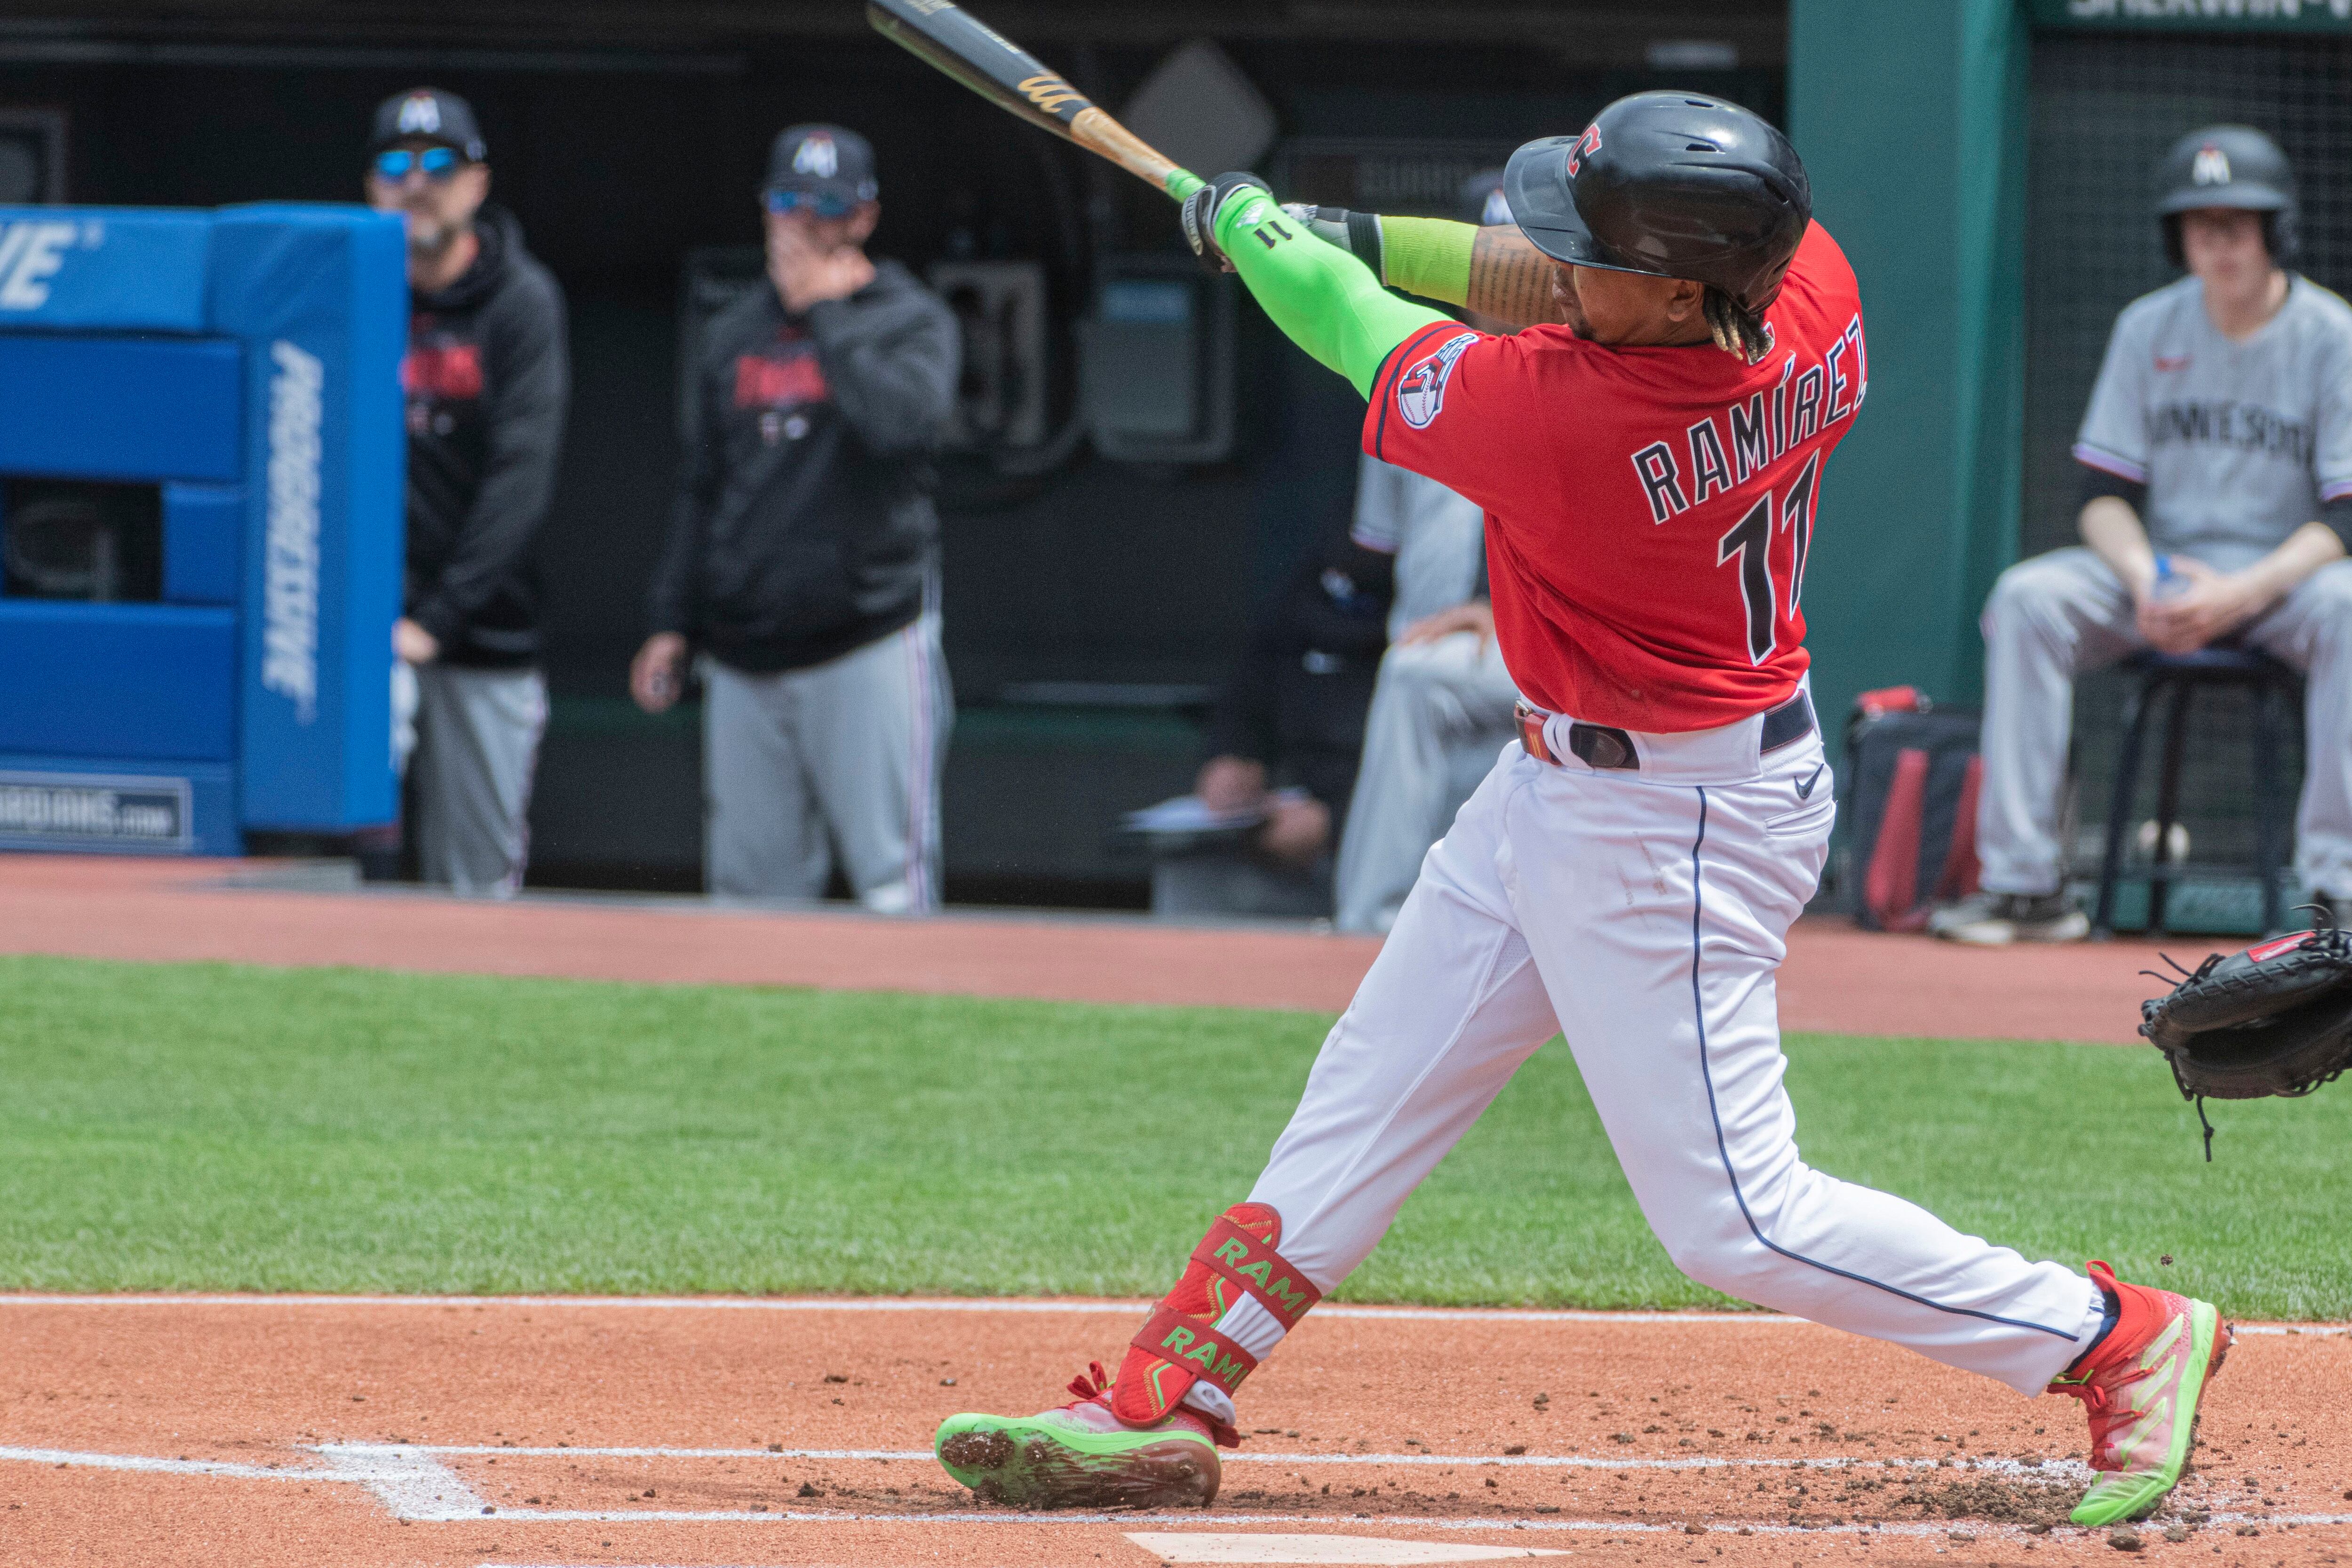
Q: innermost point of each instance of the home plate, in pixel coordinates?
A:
(1186, 1546)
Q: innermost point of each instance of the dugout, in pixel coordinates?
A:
(1089, 606)
(1988, 166)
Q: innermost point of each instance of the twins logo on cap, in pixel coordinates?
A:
(1420, 390)
(2210, 167)
(817, 155)
(420, 115)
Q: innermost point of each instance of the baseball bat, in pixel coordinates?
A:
(950, 39)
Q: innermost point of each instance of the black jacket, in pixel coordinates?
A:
(487, 380)
(804, 526)
(1298, 698)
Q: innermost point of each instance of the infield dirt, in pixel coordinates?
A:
(391, 1432)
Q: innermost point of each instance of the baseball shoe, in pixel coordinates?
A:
(1079, 1455)
(2143, 1384)
(1996, 920)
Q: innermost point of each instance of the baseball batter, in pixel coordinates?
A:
(1650, 457)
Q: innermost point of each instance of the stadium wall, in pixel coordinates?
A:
(1985, 163)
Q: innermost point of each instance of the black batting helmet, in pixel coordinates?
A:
(2228, 166)
(1673, 184)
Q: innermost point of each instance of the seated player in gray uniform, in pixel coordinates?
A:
(2218, 454)
(1442, 706)
(803, 553)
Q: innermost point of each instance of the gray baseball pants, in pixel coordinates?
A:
(2053, 616)
(1439, 711)
(476, 746)
(843, 754)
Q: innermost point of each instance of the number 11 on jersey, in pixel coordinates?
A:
(1751, 540)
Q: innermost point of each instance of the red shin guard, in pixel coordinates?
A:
(1180, 1344)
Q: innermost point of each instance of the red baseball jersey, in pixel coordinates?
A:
(1648, 509)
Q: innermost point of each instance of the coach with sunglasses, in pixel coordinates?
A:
(485, 381)
(803, 553)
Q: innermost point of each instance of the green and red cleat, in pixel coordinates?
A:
(2143, 1385)
(1079, 1455)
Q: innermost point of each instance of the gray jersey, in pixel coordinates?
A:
(1439, 540)
(2239, 443)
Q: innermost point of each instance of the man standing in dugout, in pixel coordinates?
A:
(2217, 499)
(485, 381)
(803, 553)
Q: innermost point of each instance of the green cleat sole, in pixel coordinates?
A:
(1049, 1461)
(2119, 1497)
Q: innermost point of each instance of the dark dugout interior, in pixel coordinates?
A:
(1088, 608)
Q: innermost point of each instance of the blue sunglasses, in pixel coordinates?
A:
(822, 204)
(438, 162)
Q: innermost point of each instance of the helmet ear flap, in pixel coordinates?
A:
(2170, 223)
(2282, 237)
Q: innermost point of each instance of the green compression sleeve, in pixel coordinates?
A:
(1323, 299)
(1427, 255)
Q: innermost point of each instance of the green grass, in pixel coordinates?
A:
(210, 1127)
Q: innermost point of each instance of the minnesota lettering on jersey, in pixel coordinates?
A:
(2248, 426)
(1725, 450)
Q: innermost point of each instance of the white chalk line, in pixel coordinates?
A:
(973, 1304)
(2067, 1469)
(63, 1458)
(413, 1484)
(879, 1304)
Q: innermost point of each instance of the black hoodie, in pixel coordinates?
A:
(487, 380)
(803, 527)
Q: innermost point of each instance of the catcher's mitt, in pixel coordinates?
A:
(2274, 1019)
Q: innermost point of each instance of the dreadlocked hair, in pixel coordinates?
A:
(1736, 329)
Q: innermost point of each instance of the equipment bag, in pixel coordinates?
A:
(1912, 778)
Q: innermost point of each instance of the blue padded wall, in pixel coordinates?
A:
(103, 269)
(320, 294)
(122, 408)
(246, 363)
(118, 680)
(204, 543)
(103, 803)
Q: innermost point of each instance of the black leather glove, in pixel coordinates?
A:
(1201, 207)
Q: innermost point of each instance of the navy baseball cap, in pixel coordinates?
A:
(824, 160)
(428, 114)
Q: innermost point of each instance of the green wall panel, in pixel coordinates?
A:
(1911, 121)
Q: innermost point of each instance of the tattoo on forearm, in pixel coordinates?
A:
(1510, 279)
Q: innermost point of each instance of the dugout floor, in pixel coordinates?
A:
(1836, 979)
(704, 1432)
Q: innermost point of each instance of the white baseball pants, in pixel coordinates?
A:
(1642, 914)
